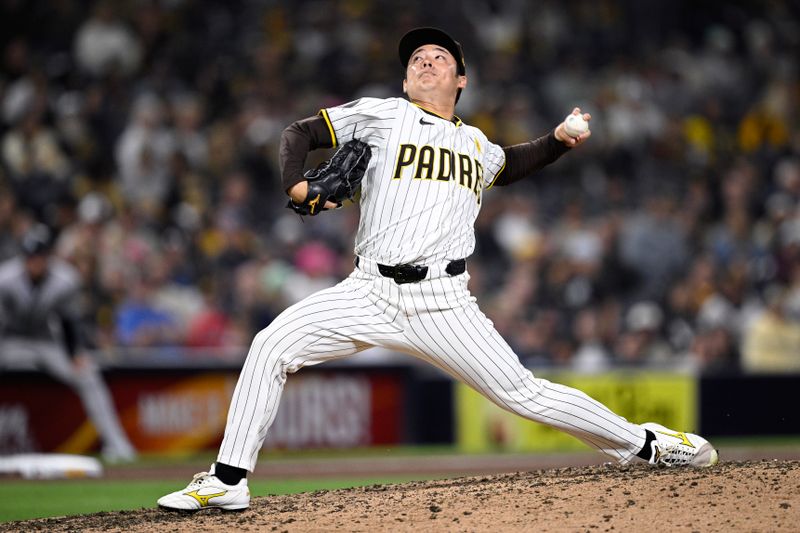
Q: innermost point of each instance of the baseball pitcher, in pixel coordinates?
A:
(40, 328)
(422, 173)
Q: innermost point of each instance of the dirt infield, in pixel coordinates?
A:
(733, 496)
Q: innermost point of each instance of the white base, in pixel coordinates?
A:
(50, 466)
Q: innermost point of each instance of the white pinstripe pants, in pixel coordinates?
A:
(436, 320)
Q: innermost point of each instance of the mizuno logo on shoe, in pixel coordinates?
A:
(203, 498)
(425, 122)
(679, 435)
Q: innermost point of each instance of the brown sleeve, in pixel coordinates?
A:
(297, 140)
(524, 159)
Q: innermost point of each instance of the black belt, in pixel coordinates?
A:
(416, 273)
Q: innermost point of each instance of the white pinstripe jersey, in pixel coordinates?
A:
(422, 191)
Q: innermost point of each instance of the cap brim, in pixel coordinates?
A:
(422, 36)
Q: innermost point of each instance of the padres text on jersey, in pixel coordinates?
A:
(422, 193)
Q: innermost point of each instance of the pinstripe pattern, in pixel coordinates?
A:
(436, 320)
(411, 220)
(329, 324)
(412, 211)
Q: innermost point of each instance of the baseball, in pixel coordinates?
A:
(575, 125)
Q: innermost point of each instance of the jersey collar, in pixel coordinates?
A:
(455, 120)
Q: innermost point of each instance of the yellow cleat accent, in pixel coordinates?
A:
(678, 435)
(203, 498)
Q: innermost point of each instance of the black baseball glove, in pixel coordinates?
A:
(335, 180)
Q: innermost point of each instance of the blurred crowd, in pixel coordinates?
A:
(146, 132)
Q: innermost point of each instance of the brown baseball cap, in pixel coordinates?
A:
(422, 36)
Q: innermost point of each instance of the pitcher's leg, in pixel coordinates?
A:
(459, 338)
(330, 324)
(358, 313)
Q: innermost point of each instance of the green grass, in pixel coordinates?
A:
(206, 458)
(203, 459)
(22, 500)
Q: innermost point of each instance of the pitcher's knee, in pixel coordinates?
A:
(259, 340)
(274, 352)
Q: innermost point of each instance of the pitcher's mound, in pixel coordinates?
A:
(734, 496)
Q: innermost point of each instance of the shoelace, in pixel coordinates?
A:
(675, 455)
(199, 479)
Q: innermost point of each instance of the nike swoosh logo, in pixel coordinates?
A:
(425, 123)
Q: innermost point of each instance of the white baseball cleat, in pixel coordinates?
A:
(206, 491)
(676, 448)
